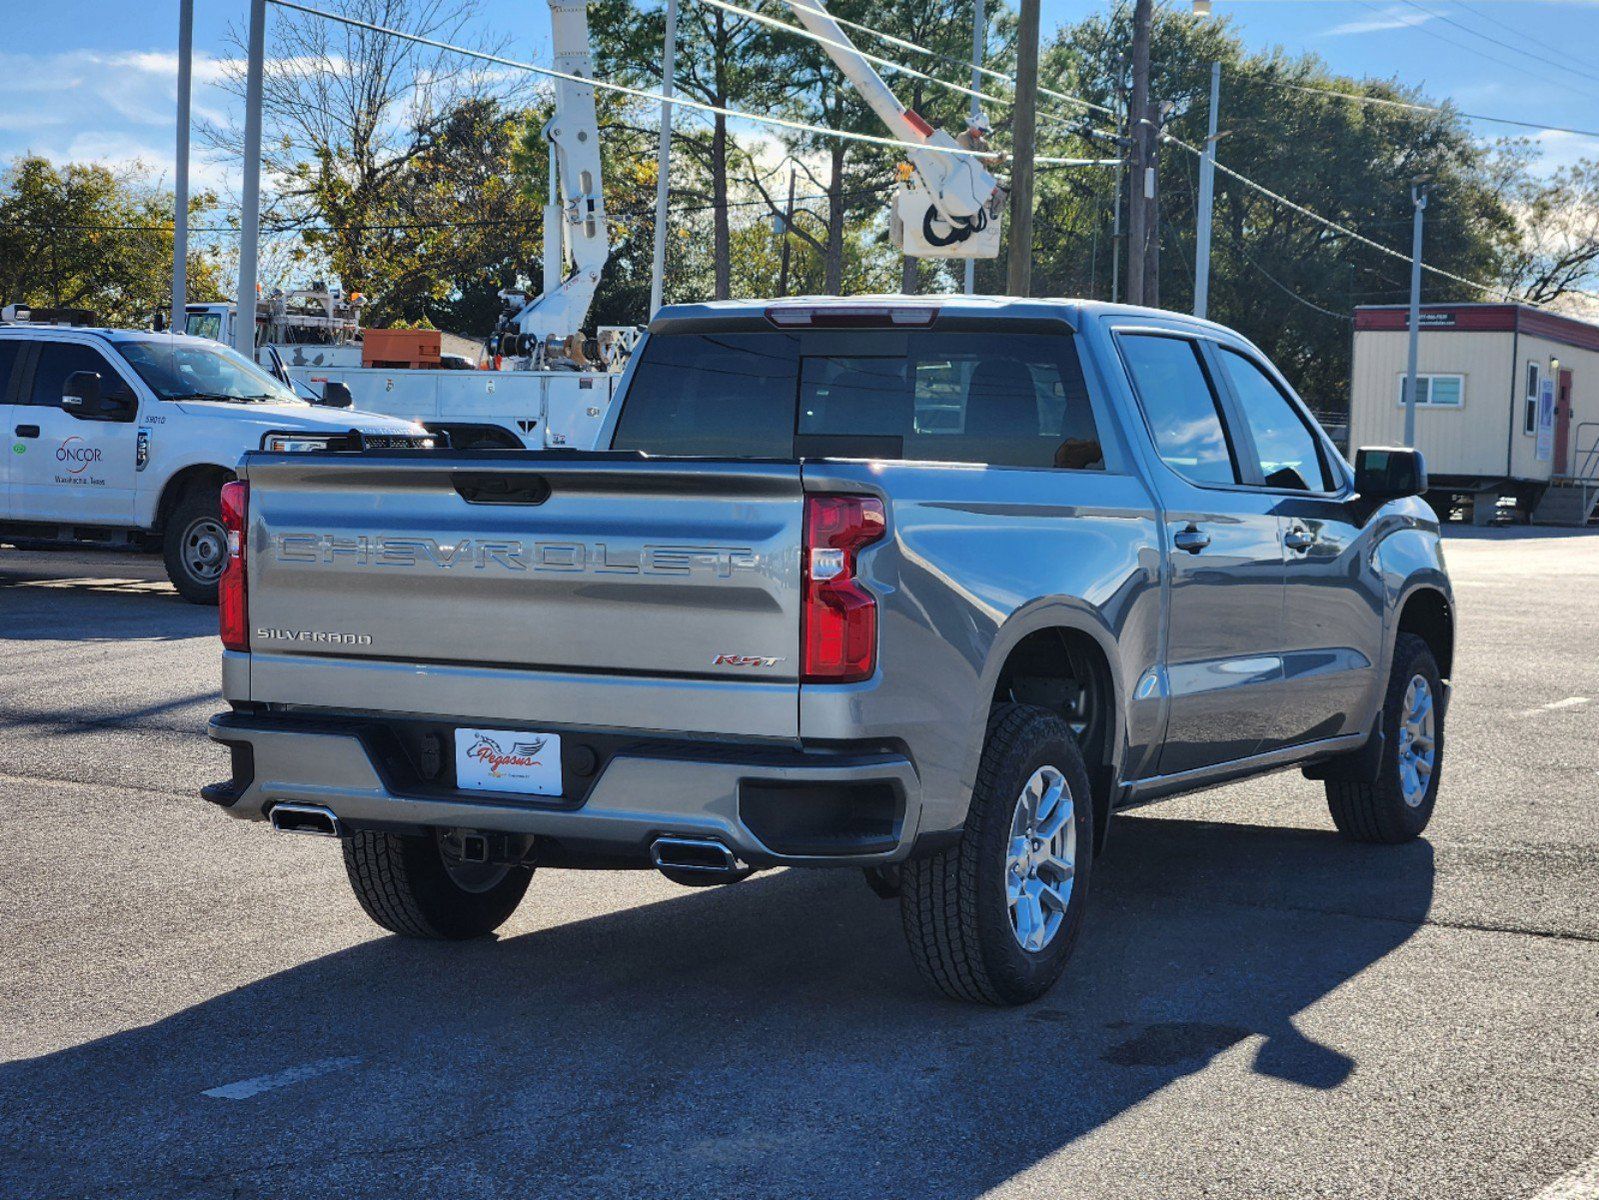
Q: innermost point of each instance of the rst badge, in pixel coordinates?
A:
(745, 660)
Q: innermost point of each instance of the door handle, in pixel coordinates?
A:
(1193, 539)
(1299, 538)
(27, 431)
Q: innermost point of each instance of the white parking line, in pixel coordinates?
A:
(245, 1088)
(1581, 1184)
(1557, 705)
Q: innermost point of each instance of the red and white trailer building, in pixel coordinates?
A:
(1507, 404)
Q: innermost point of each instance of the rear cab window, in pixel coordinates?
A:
(10, 352)
(996, 398)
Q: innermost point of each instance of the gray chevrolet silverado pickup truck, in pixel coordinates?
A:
(925, 586)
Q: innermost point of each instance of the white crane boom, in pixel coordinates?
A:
(575, 230)
(950, 206)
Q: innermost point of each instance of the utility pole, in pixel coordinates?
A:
(663, 158)
(788, 222)
(1418, 197)
(180, 175)
(1116, 217)
(250, 214)
(1137, 114)
(979, 53)
(1020, 276)
(1207, 201)
(1154, 119)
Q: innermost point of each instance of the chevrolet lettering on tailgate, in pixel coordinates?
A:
(511, 554)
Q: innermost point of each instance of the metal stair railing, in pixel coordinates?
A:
(1585, 476)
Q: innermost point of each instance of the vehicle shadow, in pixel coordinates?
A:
(767, 1039)
(61, 597)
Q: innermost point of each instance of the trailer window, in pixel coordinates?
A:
(1436, 391)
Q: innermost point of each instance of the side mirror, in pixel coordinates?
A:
(1389, 472)
(336, 394)
(82, 397)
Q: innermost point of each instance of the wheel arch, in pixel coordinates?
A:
(1427, 612)
(1063, 659)
(196, 474)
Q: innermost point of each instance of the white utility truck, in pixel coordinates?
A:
(550, 385)
(125, 437)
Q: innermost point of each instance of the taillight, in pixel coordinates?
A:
(838, 620)
(233, 594)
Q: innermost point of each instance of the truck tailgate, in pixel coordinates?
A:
(592, 565)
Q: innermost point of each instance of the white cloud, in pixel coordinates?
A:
(1392, 17)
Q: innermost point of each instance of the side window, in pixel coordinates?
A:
(9, 352)
(1180, 406)
(1289, 456)
(57, 360)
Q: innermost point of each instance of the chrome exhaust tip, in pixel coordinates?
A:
(696, 860)
(305, 818)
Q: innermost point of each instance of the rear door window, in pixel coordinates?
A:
(10, 351)
(1181, 408)
(995, 398)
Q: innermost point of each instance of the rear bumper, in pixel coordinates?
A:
(770, 806)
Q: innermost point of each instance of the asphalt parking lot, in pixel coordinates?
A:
(194, 1006)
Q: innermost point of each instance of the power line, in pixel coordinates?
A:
(1423, 27)
(901, 68)
(1358, 98)
(655, 97)
(1350, 233)
(1525, 36)
(1540, 59)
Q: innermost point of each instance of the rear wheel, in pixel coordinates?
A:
(994, 917)
(195, 545)
(423, 887)
(1398, 805)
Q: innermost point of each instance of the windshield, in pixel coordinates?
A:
(183, 370)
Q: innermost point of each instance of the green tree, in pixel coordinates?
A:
(1284, 280)
(84, 236)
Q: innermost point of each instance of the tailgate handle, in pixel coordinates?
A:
(500, 487)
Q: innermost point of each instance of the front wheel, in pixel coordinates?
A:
(195, 545)
(421, 886)
(994, 917)
(1398, 805)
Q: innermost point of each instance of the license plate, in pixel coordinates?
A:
(508, 760)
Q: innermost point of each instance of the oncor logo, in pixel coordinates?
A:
(79, 455)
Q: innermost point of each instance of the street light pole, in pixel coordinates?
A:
(663, 158)
(1137, 113)
(250, 209)
(1418, 197)
(979, 48)
(1207, 201)
(1019, 279)
(180, 175)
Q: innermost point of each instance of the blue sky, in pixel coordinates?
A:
(94, 79)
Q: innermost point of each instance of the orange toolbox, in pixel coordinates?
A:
(415, 348)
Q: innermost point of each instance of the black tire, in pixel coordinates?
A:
(1379, 812)
(196, 519)
(954, 907)
(402, 883)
